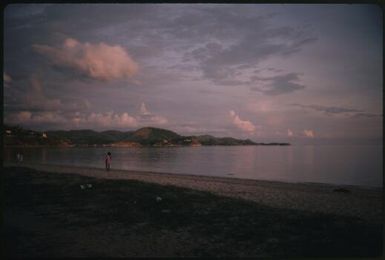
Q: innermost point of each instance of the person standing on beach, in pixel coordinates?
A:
(19, 157)
(108, 161)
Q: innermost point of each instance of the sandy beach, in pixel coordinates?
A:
(60, 211)
(362, 202)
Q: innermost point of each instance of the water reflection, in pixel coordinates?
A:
(361, 165)
(289, 159)
(308, 154)
(244, 158)
(44, 155)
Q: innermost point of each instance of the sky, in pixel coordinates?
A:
(278, 72)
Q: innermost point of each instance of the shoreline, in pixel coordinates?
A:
(135, 145)
(84, 170)
(345, 200)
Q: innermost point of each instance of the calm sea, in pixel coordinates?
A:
(333, 164)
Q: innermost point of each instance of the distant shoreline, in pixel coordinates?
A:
(354, 201)
(134, 146)
(143, 137)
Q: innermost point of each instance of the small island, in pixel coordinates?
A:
(143, 137)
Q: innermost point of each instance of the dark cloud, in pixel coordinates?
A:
(205, 22)
(332, 110)
(277, 85)
(327, 109)
(366, 115)
(195, 63)
(242, 38)
(245, 42)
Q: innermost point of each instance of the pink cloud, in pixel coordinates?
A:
(48, 117)
(145, 117)
(21, 116)
(6, 78)
(290, 133)
(308, 133)
(107, 120)
(110, 120)
(99, 61)
(159, 120)
(245, 125)
(144, 110)
(35, 98)
(27, 117)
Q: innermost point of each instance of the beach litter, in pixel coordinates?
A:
(85, 186)
(273, 240)
(158, 198)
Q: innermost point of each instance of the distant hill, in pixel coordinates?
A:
(18, 136)
(152, 135)
(146, 136)
(211, 140)
(79, 136)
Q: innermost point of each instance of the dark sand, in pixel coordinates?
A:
(362, 202)
(48, 214)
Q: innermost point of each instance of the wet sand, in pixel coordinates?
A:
(353, 201)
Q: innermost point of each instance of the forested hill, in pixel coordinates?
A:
(146, 136)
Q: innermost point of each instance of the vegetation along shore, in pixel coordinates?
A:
(143, 137)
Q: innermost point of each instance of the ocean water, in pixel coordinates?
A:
(332, 164)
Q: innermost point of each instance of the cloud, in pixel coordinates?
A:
(29, 118)
(6, 79)
(145, 117)
(111, 120)
(97, 61)
(158, 120)
(53, 113)
(309, 133)
(333, 110)
(36, 99)
(36, 84)
(290, 133)
(31, 96)
(107, 120)
(245, 125)
(143, 109)
(327, 109)
(250, 41)
(277, 85)
(367, 115)
(22, 116)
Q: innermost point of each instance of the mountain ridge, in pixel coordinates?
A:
(142, 137)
